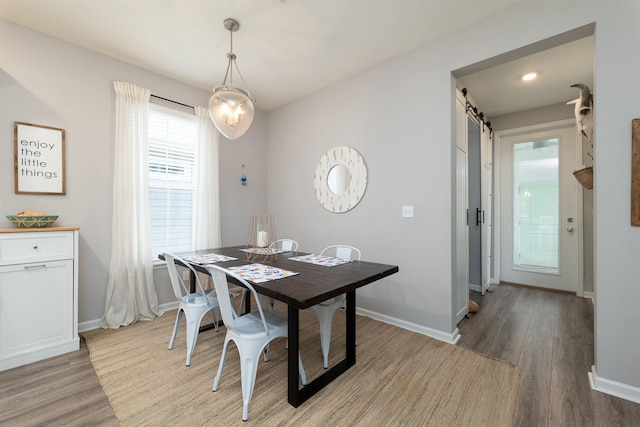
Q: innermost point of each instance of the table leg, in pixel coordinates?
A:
(298, 396)
(292, 363)
(351, 328)
(192, 281)
(247, 302)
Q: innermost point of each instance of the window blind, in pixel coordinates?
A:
(172, 145)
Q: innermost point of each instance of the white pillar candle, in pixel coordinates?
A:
(261, 242)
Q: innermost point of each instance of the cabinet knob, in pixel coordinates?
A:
(35, 247)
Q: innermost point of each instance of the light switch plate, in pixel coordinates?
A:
(407, 211)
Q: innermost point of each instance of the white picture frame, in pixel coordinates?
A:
(39, 159)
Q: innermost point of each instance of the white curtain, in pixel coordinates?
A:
(207, 196)
(131, 294)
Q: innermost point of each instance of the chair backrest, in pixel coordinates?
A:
(342, 251)
(227, 310)
(177, 282)
(285, 244)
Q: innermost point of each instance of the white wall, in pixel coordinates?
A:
(398, 115)
(53, 83)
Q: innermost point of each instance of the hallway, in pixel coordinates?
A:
(549, 335)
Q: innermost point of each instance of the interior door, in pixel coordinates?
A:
(486, 160)
(461, 285)
(541, 219)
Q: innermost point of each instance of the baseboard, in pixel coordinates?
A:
(433, 333)
(520, 285)
(9, 361)
(169, 306)
(614, 388)
(90, 325)
(588, 295)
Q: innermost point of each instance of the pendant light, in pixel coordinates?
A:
(231, 106)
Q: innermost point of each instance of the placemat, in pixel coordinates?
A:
(208, 258)
(327, 261)
(260, 273)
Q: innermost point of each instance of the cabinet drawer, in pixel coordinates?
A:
(20, 248)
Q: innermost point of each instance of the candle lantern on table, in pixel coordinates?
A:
(262, 232)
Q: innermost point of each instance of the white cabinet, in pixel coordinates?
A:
(38, 294)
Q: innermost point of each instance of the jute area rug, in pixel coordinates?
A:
(400, 378)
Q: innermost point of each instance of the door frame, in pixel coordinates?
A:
(497, 199)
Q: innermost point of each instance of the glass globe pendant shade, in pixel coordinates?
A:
(231, 110)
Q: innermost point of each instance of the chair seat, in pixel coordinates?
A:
(251, 324)
(198, 298)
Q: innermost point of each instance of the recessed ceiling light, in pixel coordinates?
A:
(529, 76)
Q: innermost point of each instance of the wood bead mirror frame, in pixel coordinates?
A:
(340, 179)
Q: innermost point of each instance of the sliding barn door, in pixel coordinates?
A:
(461, 285)
(486, 159)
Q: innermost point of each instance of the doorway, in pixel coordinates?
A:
(473, 205)
(541, 207)
(495, 88)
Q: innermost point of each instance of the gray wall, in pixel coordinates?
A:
(550, 113)
(53, 83)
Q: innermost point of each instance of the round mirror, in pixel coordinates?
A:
(338, 179)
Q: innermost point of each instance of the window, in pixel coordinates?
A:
(172, 145)
(536, 204)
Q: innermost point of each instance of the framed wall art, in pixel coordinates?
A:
(39, 159)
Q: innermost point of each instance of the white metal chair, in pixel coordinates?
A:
(326, 309)
(286, 245)
(193, 305)
(251, 332)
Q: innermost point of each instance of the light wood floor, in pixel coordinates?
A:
(548, 335)
(60, 391)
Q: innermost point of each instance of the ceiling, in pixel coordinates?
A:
(287, 49)
(499, 89)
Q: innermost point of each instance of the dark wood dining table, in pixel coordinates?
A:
(312, 285)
